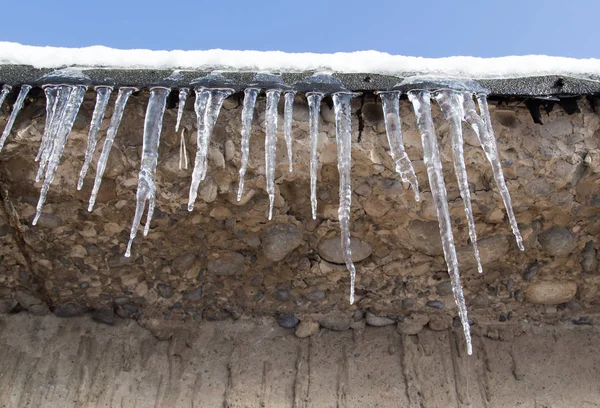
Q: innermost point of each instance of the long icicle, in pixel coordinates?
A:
(451, 104)
(393, 128)
(483, 128)
(183, 94)
(59, 109)
(51, 93)
(314, 108)
(209, 116)
(343, 136)
(111, 134)
(13, 116)
(59, 141)
(4, 93)
(102, 97)
(146, 186)
(247, 115)
(288, 113)
(271, 144)
(421, 101)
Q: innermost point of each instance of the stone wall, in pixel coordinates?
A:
(226, 260)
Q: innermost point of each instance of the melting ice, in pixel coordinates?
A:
(271, 144)
(314, 108)
(247, 115)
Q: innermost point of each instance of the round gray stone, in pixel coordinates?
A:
(330, 249)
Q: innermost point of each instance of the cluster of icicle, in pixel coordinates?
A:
(63, 103)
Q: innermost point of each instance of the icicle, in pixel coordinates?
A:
(343, 136)
(50, 92)
(288, 113)
(183, 156)
(183, 94)
(4, 93)
(59, 140)
(102, 96)
(431, 156)
(483, 128)
(58, 98)
(271, 144)
(314, 108)
(13, 116)
(247, 114)
(393, 128)
(111, 133)
(208, 105)
(146, 188)
(451, 103)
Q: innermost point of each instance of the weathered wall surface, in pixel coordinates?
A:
(225, 259)
(51, 362)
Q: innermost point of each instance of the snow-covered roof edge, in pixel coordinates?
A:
(373, 62)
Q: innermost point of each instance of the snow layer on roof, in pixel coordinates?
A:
(373, 62)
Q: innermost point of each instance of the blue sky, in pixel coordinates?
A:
(428, 28)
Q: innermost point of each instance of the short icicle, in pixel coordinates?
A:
(207, 112)
(146, 190)
(111, 134)
(271, 144)
(183, 94)
(57, 97)
(421, 101)
(250, 95)
(343, 135)
(4, 93)
(483, 127)
(451, 104)
(13, 116)
(288, 113)
(393, 127)
(314, 108)
(59, 141)
(102, 96)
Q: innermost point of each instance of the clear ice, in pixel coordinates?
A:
(208, 105)
(57, 98)
(183, 94)
(314, 108)
(393, 128)
(111, 134)
(451, 104)
(421, 101)
(288, 113)
(343, 137)
(102, 97)
(4, 93)
(59, 133)
(271, 144)
(15, 112)
(247, 115)
(146, 190)
(483, 128)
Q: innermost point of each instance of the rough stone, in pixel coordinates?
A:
(589, 261)
(444, 288)
(307, 328)
(194, 295)
(316, 296)
(330, 249)
(70, 310)
(557, 241)
(104, 315)
(425, 236)
(282, 295)
(412, 324)
(336, 322)
(165, 291)
(227, 263)
(279, 240)
(550, 292)
(8, 305)
(287, 320)
(435, 304)
(378, 321)
(439, 322)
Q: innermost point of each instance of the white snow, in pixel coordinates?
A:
(276, 61)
